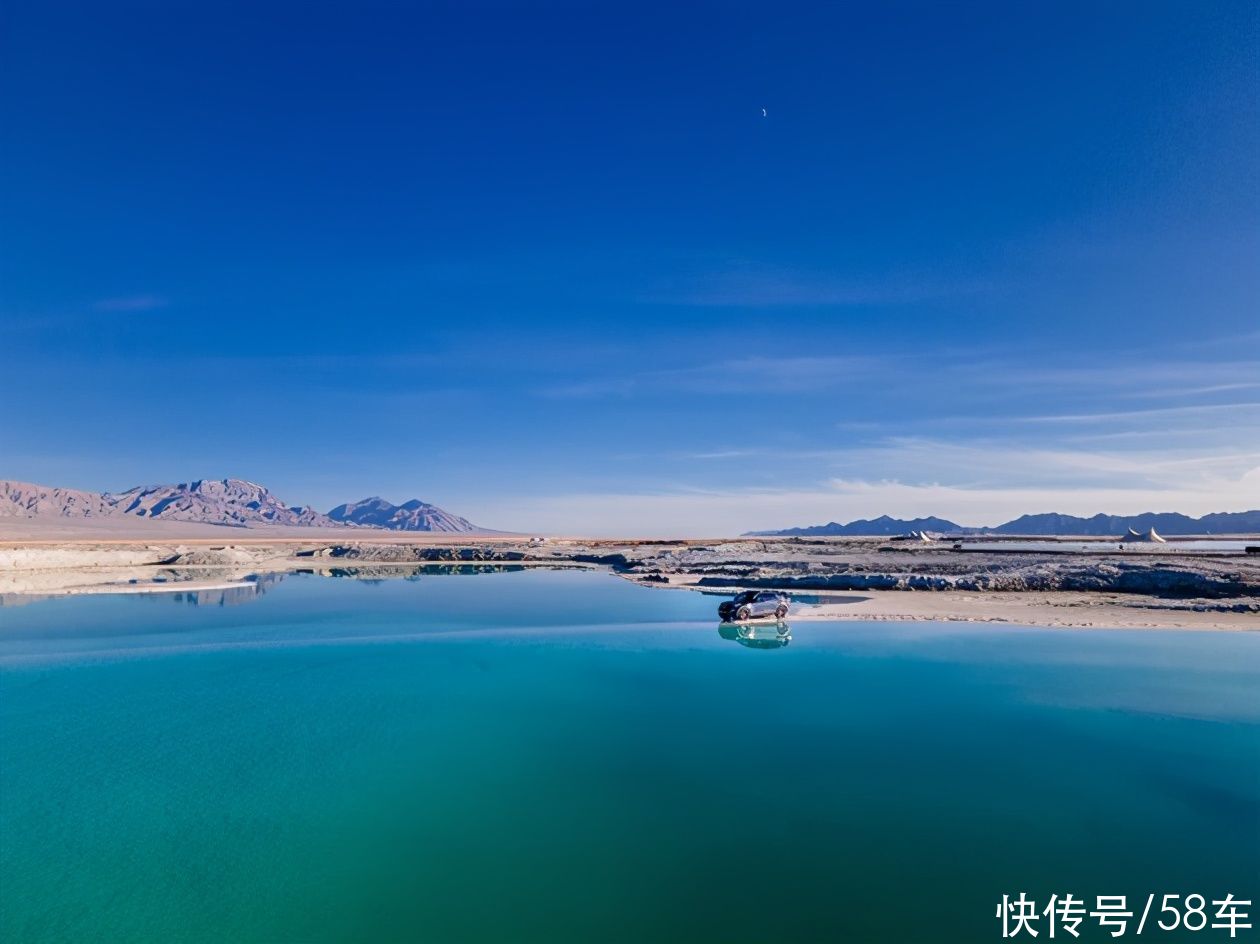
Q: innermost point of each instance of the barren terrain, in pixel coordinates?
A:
(836, 578)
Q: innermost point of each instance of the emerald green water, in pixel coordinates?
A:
(562, 756)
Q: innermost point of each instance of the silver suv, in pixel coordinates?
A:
(753, 603)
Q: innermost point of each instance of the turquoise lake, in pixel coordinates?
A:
(564, 756)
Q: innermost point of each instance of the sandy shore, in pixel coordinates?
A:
(846, 579)
(1069, 610)
(1065, 609)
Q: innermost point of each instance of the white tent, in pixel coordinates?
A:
(1150, 537)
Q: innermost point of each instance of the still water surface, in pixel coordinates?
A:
(552, 756)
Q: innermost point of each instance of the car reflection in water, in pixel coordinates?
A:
(757, 636)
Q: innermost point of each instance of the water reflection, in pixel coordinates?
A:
(209, 586)
(254, 587)
(757, 635)
(258, 584)
(409, 572)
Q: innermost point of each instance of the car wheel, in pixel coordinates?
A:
(743, 613)
(780, 612)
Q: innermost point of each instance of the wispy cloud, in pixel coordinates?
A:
(1151, 414)
(977, 482)
(755, 286)
(725, 512)
(1001, 464)
(1136, 374)
(725, 454)
(760, 375)
(982, 374)
(131, 303)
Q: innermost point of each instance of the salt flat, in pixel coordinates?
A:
(849, 578)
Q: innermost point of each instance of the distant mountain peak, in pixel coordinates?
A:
(412, 515)
(216, 501)
(228, 501)
(28, 500)
(883, 526)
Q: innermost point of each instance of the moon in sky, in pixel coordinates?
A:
(763, 113)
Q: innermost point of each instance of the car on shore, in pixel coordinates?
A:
(751, 604)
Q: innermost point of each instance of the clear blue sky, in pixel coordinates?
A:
(549, 266)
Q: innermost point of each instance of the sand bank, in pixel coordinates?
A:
(1069, 610)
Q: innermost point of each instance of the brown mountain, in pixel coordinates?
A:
(216, 501)
(414, 515)
(25, 500)
(230, 502)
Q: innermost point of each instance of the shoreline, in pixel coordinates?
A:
(1048, 611)
(849, 579)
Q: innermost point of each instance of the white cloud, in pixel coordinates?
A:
(1159, 413)
(972, 482)
(716, 513)
(1001, 464)
(762, 375)
(981, 375)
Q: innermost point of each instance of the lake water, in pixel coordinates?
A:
(563, 756)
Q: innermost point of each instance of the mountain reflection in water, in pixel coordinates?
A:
(252, 586)
(258, 584)
(411, 572)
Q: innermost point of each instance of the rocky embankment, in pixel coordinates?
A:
(853, 565)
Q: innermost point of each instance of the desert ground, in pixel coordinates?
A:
(829, 578)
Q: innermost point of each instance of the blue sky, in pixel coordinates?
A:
(549, 266)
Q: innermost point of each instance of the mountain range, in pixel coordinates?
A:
(1167, 523)
(230, 502)
(876, 527)
(242, 504)
(413, 515)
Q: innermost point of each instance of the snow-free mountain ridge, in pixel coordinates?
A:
(881, 526)
(413, 515)
(230, 502)
(1226, 522)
